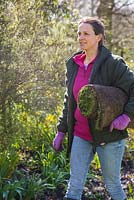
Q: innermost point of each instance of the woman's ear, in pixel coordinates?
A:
(100, 37)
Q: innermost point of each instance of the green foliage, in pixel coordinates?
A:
(11, 190)
(55, 169)
(94, 196)
(35, 129)
(53, 9)
(8, 163)
(31, 66)
(33, 186)
(96, 163)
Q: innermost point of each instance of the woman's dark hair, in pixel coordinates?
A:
(97, 25)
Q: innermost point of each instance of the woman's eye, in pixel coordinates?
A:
(86, 34)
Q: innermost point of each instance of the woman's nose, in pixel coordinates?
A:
(81, 36)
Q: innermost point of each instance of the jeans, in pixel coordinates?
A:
(110, 156)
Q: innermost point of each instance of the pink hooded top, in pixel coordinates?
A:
(81, 128)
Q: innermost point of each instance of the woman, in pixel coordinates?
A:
(97, 65)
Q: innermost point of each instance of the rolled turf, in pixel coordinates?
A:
(102, 103)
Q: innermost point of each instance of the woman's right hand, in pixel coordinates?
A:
(58, 140)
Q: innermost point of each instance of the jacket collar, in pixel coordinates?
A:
(103, 54)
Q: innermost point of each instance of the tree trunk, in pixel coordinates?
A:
(104, 12)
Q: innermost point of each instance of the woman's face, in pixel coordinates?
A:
(87, 38)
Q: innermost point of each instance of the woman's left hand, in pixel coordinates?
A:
(120, 122)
